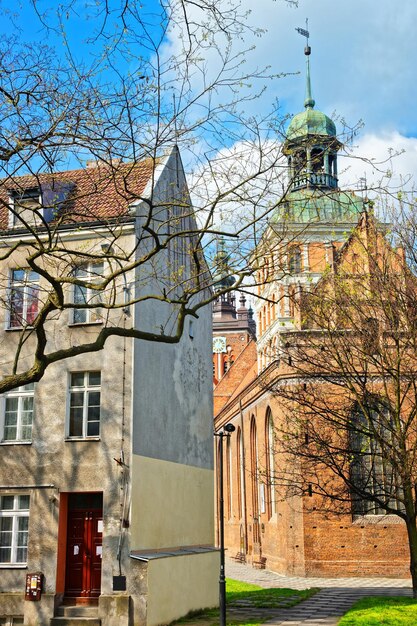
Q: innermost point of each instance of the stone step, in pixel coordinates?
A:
(78, 610)
(75, 621)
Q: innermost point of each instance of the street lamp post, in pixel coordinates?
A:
(229, 428)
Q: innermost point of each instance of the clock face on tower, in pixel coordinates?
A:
(219, 344)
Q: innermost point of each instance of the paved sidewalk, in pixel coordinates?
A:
(325, 608)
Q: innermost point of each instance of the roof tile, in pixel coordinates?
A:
(96, 193)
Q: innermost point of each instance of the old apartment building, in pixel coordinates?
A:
(276, 516)
(106, 480)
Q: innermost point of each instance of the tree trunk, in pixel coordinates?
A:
(412, 542)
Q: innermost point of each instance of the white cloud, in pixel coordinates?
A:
(387, 160)
(363, 56)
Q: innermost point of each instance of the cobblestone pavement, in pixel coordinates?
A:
(325, 608)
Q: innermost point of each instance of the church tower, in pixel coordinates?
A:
(311, 223)
(233, 327)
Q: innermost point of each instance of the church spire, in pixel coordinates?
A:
(309, 101)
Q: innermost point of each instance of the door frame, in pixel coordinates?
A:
(64, 511)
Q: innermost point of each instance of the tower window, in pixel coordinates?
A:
(317, 160)
(294, 260)
(300, 160)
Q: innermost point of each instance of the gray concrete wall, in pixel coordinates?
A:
(172, 404)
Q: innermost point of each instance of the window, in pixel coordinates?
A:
(84, 409)
(375, 484)
(18, 414)
(269, 453)
(14, 525)
(229, 478)
(294, 260)
(240, 473)
(370, 336)
(317, 160)
(25, 207)
(90, 273)
(24, 297)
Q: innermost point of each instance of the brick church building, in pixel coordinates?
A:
(263, 525)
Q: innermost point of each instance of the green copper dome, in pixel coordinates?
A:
(314, 205)
(310, 122)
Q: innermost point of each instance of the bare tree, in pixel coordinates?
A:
(347, 384)
(91, 243)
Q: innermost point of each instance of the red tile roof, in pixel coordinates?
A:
(92, 194)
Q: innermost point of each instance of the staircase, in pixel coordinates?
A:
(76, 616)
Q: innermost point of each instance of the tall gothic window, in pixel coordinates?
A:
(239, 472)
(374, 481)
(269, 454)
(229, 477)
(254, 471)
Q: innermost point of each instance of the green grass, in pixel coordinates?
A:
(266, 598)
(258, 597)
(382, 611)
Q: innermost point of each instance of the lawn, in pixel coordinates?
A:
(248, 605)
(380, 611)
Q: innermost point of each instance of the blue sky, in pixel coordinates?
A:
(363, 68)
(363, 57)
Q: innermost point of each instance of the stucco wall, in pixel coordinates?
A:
(178, 501)
(181, 584)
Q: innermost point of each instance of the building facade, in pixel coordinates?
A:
(267, 525)
(107, 469)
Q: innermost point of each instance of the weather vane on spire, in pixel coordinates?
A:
(304, 32)
(309, 100)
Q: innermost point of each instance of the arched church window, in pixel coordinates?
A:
(240, 473)
(269, 454)
(254, 473)
(375, 484)
(229, 479)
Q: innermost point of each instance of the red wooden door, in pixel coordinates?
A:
(83, 572)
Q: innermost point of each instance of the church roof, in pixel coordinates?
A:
(310, 122)
(315, 205)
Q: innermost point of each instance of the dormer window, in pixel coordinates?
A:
(25, 207)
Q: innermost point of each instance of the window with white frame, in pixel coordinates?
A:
(24, 297)
(84, 405)
(14, 527)
(17, 414)
(25, 207)
(89, 273)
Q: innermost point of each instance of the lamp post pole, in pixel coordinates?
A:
(229, 428)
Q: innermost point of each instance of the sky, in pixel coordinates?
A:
(363, 69)
(362, 66)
